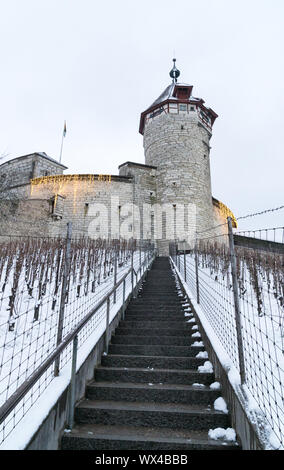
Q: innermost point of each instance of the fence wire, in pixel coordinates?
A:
(260, 274)
(31, 278)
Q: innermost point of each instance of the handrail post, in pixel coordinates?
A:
(73, 384)
(132, 277)
(66, 273)
(107, 325)
(236, 301)
(115, 277)
(184, 263)
(123, 301)
(196, 274)
(136, 286)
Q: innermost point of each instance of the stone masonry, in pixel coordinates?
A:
(163, 200)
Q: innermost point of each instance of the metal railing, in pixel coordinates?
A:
(61, 332)
(240, 293)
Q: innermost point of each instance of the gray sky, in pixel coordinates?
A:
(100, 64)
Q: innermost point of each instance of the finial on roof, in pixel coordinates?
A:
(174, 73)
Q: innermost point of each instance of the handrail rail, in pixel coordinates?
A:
(16, 397)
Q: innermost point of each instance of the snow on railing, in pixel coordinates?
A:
(49, 289)
(207, 272)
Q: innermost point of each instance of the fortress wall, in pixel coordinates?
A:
(144, 194)
(91, 205)
(17, 171)
(220, 222)
(179, 146)
(20, 170)
(22, 218)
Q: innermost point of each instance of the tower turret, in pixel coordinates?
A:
(176, 131)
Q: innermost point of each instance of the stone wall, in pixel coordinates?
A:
(23, 218)
(90, 202)
(167, 199)
(178, 145)
(19, 171)
(144, 195)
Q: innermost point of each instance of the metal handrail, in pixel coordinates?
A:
(17, 396)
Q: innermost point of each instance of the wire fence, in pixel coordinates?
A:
(47, 288)
(275, 234)
(246, 315)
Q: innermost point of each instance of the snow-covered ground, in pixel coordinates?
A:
(262, 315)
(32, 339)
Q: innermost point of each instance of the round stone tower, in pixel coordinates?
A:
(177, 129)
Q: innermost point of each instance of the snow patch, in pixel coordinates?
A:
(196, 335)
(220, 405)
(206, 368)
(228, 434)
(202, 355)
(215, 386)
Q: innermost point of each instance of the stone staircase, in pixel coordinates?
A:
(147, 394)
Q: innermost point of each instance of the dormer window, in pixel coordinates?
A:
(182, 92)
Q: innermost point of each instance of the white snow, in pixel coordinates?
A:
(198, 385)
(257, 412)
(202, 355)
(27, 426)
(206, 368)
(196, 335)
(215, 386)
(228, 434)
(220, 405)
(197, 344)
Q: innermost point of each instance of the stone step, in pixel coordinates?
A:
(155, 301)
(159, 315)
(159, 319)
(160, 415)
(149, 362)
(154, 350)
(153, 332)
(161, 322)
(116, 437)
(160, 308)
(165, 289)
(155, 340)
(166, 393)
(180, 315)
(158, 376)
(147, 393)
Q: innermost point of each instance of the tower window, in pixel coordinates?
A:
(192, 108)
(182, 107)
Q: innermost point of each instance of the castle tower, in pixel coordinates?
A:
(176, 131)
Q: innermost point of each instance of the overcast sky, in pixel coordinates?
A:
(98, 65)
